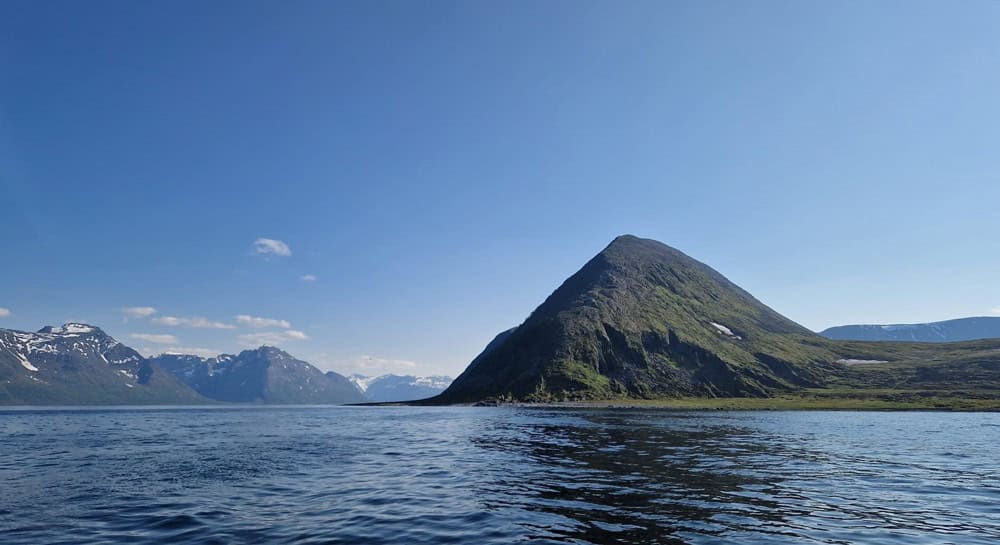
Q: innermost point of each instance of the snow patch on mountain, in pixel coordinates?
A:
(725, 330)
(34, 349)
(439, 382)
(852, 362)
(25, 363)
(361, 382)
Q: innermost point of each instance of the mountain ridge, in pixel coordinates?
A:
(954, 330)
(80, 364)
(265, 374)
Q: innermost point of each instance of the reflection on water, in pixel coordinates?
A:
(623, 479)
(471, 475)
(649, 477)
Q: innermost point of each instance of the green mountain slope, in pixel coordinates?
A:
(642, 320)
(960, 366)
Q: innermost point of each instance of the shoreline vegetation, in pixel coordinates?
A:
(813, 399)
(817, 399)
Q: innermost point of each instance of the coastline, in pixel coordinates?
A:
(980, 401)
(807, 400)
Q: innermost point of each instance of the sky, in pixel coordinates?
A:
(384, 186)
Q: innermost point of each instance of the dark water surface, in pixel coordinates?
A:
(481, 476)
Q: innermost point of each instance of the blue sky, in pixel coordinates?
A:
(439, 168)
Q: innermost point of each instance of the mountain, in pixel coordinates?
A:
(388, 388)
(81, 364)
(644, 320)
(962, 329)
(263, 375)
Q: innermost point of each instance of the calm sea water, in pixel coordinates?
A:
(483, 475)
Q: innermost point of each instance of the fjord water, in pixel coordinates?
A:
(496, 475)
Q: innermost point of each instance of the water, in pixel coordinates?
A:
(483, 476)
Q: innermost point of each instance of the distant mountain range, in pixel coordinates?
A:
(961, 329)
(263, 375)
(81, 364)
(388, 388)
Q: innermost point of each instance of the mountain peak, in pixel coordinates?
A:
(628, 263)
(628, 243)
(273, 351)
(632, 248)
(626, 238)
(71, 328)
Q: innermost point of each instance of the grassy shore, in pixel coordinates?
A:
(819, 399)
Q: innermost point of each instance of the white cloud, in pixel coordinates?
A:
(4, 312)
(169, 320)
(253, 340)
(156, 339)
(270, 246)
(181, 350)
(138, 312)
(201, 352)
(254, 321)
(308, 278)
(995, 310)
(367, 365)
(374, 366)
(196, 322)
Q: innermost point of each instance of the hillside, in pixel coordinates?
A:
(642, 320)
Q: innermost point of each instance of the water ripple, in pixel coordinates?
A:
(496, 476)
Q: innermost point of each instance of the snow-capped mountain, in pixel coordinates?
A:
(386, 388)
(80, 363)
(262, 375)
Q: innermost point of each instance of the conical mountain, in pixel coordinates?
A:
(644, 320)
